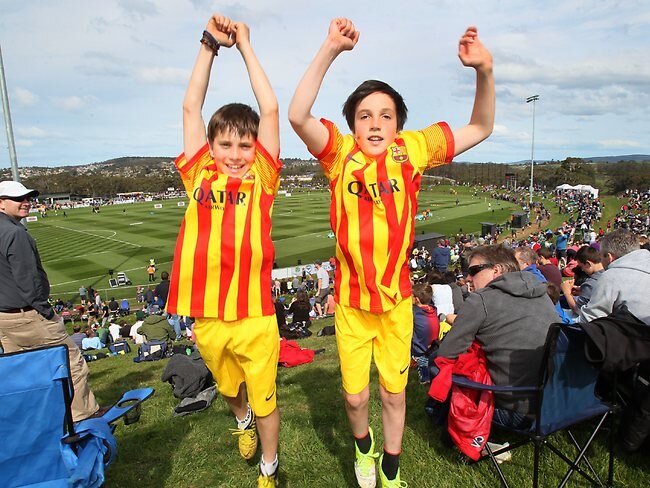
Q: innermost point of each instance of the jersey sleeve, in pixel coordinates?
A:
(190, 169)
(268, 168)
(330, 157)
(435, 145)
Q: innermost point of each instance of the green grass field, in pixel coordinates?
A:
(81, 247)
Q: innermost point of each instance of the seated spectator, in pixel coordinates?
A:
(149, 297)
(527, 260)
(442, 293)
(625, 281)
(125, 308)
(139, 293)
(77, 336)
(134, 333)
(508, 314)
(104, 335)
(280, 312)
(125, 330)
(456, 291)
(91, 341)
(550, 271)
(114, 329)
(426, 328)
(156, 327)
(590, 261)
(113, 306)
(300, 308)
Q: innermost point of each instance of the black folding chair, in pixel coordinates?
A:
(564, 397)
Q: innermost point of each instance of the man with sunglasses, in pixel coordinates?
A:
(508, 313)
(27, 320)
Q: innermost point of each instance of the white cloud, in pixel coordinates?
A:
(24, 143)
(619, 143)
(139, 9)
(24, 97)
(34, 132)
(163, 75)
(72, 103)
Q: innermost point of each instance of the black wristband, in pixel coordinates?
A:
(210, 42)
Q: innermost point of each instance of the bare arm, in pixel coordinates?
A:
(342, 36)
(472, 53)
(269, 129)
(567, 287)
(194, 136)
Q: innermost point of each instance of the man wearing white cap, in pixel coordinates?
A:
(27, 320)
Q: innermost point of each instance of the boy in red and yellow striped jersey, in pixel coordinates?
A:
(375, 178)
(224, 252)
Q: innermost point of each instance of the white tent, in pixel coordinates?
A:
(589, 188)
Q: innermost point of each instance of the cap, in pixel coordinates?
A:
(13, 189)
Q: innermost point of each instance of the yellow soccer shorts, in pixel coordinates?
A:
(361, 334)
(242, 351)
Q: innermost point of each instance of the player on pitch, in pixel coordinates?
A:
(375, 178)
(224, 252)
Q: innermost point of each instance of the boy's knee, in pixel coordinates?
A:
(357, 400)
(393, 400)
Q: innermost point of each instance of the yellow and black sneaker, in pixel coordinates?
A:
(247, 440)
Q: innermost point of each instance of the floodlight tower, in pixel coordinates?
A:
(533, 99)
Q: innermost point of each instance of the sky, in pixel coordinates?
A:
(90, 81)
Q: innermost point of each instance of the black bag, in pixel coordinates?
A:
(119, 347)
(151, 351)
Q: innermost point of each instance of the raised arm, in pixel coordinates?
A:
(269, 129)
(342, 36)
(194, 137)
(472, 53)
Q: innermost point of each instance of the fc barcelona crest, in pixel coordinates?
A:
(399, 154)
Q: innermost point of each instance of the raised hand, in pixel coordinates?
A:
(343, 34)
(472, 52)
(241, 33)
(222, 29)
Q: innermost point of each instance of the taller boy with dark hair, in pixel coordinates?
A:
(224, 252)
(375, 178)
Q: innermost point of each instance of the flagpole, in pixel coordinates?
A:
(8, 127)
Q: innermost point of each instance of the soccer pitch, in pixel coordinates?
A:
(81, 247)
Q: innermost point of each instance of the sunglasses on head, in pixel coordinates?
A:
(477, 268)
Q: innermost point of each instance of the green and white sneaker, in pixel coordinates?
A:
(386, 483)
(364, 464)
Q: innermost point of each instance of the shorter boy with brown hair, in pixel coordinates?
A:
(224, 252)
(426, 328)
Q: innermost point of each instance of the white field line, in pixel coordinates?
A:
(95, 235)
(300, 236)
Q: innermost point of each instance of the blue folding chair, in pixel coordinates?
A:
(565, 396)
(41, 445)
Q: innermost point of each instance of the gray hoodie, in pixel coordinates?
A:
(626, 281)
(509, 318)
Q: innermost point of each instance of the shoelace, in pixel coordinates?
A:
(250, 432)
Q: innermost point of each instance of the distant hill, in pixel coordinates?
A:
(595, 159)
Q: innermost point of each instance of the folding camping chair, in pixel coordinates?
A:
(564, 397)
(41, 445)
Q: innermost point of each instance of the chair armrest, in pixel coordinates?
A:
(464, 382)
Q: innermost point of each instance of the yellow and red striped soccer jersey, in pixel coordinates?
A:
(372, 213)
(224, 252)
